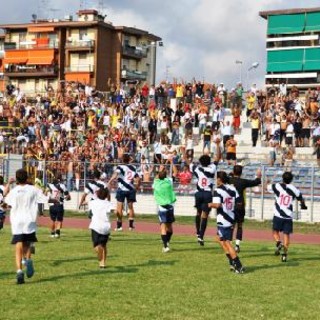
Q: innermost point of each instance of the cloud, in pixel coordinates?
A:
(202, 38)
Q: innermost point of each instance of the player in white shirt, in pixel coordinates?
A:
(225, 200)
(128, 181)
(285, 194)
(57, 192)
(100, 225)
(23, 200)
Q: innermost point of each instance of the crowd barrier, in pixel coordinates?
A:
(259, 203)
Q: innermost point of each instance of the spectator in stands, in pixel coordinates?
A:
(231, 146)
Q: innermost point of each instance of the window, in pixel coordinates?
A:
(83, 34)
(82, 56)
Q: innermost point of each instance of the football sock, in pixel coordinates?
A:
(237, 263)
(164, 240)
(239, 233)
(203, 227)
(58, 232)
(197, 220)
(119, 224)
(278, 243)
(169, 235)
(131, 221)
(238, 241)
(229, 258)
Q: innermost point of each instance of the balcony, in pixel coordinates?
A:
(134, 52)
(29, 71)
(80, 68)
(133, 75)
(80, 45)
(34, 44)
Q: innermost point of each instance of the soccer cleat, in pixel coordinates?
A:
(278, 249)
(30, 269)
(165, 250)
(52, 235)
(20, 277)
(239, 270)
(131, 228)
(232, 268)
(284, 258)
(201, 241)
(57, 235)
(237, 249)
(118, 229)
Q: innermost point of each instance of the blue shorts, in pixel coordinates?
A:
(129, 195)
(166, 216)
(56, 212)
(203, 198)
(23, 237)
(224, 233)
(282, 225)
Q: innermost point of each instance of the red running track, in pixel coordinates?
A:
(180, 229)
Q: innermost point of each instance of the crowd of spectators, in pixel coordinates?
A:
(75, 129)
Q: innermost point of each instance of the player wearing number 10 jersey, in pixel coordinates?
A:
(285, 194)
(128, 181)
(205, 174)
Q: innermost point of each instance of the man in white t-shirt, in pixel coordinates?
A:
(23, 200)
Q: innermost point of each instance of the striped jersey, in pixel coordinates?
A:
(92, 187)
(285, 194)
(126, 175)
(227, 195)
(58, 191)
(205, 176)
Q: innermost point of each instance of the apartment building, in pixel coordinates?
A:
(88, 50)
(293, 47)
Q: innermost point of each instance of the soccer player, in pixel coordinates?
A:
(128, 182)
(241, 185)
(165, 198)
(205, 174)
(285, 194)
(59, 193)
(225, 200)
(23, 200)
(92, 187)
(100, 224)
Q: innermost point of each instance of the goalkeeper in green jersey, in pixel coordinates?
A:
(165, 198)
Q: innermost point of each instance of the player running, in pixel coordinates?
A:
(128, 181)
(285, 193)
(225, 200)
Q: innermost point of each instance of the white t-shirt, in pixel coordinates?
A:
(23, 200)
(100, 221)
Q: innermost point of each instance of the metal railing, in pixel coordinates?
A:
(80, 44)
(259, 203)
(134, 51)
(80, 68)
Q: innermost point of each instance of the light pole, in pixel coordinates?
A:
(253, 66)
(239, 62)
(153, 61)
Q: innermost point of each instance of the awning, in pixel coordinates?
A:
(313, 21)
(40, 29)
(286, 23)
(40, 60)
(312, 59)
(15, 60)
(83, 77)
(285, 60)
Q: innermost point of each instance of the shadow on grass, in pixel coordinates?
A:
(271, 266)
(109, 270)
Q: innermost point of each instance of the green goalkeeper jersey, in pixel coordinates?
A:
(163, 191)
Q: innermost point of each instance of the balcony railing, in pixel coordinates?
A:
(80, 68)
(26, 70)
(136, 75)
(80, 44)
(30, 45)
(135, 52)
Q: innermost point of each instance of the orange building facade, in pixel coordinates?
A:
(89, 50)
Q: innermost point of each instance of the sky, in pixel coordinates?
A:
(202, 38)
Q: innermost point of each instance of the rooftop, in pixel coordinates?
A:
(265, 14)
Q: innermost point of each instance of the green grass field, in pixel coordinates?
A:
(141, 282)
